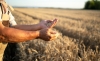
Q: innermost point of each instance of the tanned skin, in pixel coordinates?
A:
(21, 33)
(16, 35)
(41, 25)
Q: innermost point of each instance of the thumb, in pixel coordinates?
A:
(54, 33)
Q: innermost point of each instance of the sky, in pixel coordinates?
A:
(48, 3)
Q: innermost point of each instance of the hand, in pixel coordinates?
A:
(47, 34)
(48, 23)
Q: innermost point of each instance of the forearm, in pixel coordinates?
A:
(15, 35)
(28, 27)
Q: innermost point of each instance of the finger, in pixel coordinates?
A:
(54, 35)
(54, 32)
(56, 20)
(53, 23)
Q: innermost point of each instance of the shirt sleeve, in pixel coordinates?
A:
(12, 20)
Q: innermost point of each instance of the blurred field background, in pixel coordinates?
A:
(79, 38)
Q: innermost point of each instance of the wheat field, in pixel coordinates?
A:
(79, 38)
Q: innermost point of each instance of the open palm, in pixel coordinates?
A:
(48, 23)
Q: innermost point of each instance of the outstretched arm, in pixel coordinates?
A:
(13, 35)
(28, 27)
(39, 26)
(16, 35)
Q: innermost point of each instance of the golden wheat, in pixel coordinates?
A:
(79, 38)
